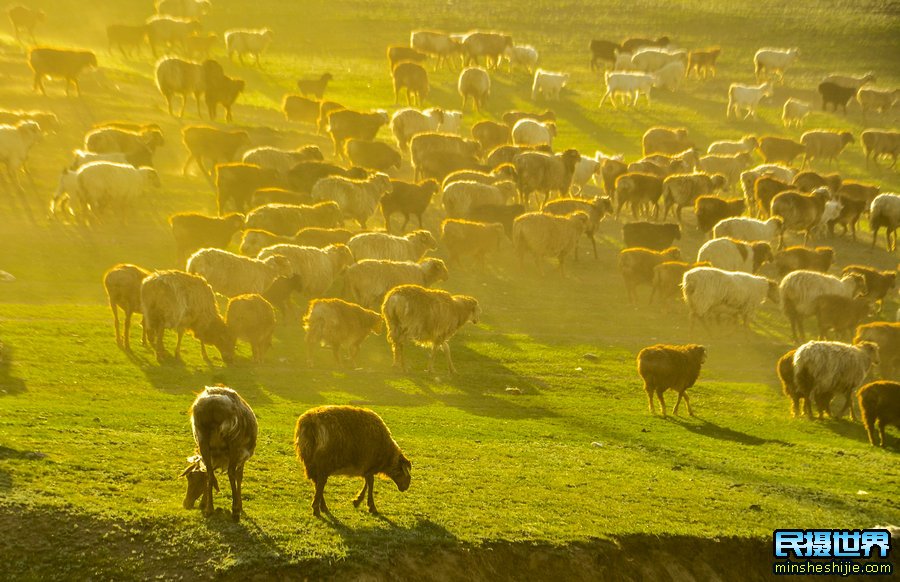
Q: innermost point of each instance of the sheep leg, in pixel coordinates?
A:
(881, 427)
(649, 398)
(318, 504)
(677, 403)
(370, 480)
(145, 338)
(203, 351)
(126, 330)
(116, 322)
(807, 407)
(687, 401)
(235, 476)
(795, 406)
(446, 348)
(662, 402)
(336, 351)
(362, 493)
(178, 344)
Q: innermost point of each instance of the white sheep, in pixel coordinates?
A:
(532, 132)
(252, 42)
(800, 289)
(83, 157)
(749, 177)
(774, 60)
(884, 212)
(408, 122)
(459, 198)
(746, 97)
(96, 186)
(15, 143)
(525, 56)
(825, 369)
(474, 83)
(368, 281)
(733, 255)
(232, 275)
(548, 235)
(548, 84)
(711, 292)
(745, 145)
(628, 83)
(317, 268)
(358, 199)
(670, 76)
(280, 160)
(623, 61)
(794, 112)
(585, 170)
(749, 229)
(452, 123)
(652, 59)
(387, 247)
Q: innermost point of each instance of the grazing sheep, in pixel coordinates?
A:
(368, 281)
(711, 292)
(603, 50)
(878, 143)
(52, 62)
(596, 208)
(225, 430)
(640, 191)
(348, 440)
(316, 87)
(387, 247)
(169, 31)
(490, 45)
(628, 83)
(15, 144)
(880, 100)
(878, 283)
(414, 78)
(502, 214)
(780, 149)
(317, 268)
(439, 44)
(764, 190)
(664, 367)
(802, 258)
(885, 213)
(236, 183)
(303, 176)
(288, 219)
(525, 56)
(703, 62)
(358, 199)
(650, 235)
(802, 212)
(407, 199)
(251, 42)
(887, 336)
(24, 18)
(464, 238)
(346, 124)
(842, 314)
(123, 290)
(680, 190)
(124, 35)
(547, 173)
(510, 118)
(474, 83)
(175, 76)
(213, 144)
(427, 317)
(251, 318)
(101, 187)
(746, 144)
(774, 60)
(459, 198)
(548, 235)
(490, 134)
(824, 144)
(531, 133)
(548, 84)
(879, 404)
(372, 155)
(232, 275)
(322, 237)
(800, 289)
(336, 322)
(710, 210)
(667, 141)
(637, 267)
(182, 301)
(733, 255)
(193, 231)
(836, 96)
(823, 370)
(794, 112)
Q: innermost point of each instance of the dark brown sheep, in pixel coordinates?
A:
(650, 235)
(300, 109)
(636, 266)
(213, 144)
(785, 370)
(887, 336)
(631, 45)
(491, 135)
(414, 79)
(372, 155)
(236, 183)
(503, 214)
(764, 190)
(193, 231)
(848, 216)
(878, 283)
(711, 209)
(664, 367)
(842, 314)
(809, 181)
(398, 54)
(603, 50)
(315, 87)
(858, 191)
(640, 191)
(345, 124)
(879, 403)
(408, 199)
(220, 89)
(64, 63)
(836, 95)
(780, 149)
(123, 289)
(798, 258)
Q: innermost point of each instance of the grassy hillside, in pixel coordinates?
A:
(92, 439)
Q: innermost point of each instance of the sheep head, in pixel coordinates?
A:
(399, 472)
(870, 349)
(197, 476)
(773, 293)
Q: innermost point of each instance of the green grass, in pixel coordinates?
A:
(92, 440)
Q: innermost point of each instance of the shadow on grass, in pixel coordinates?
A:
(6, 480)
(716, 431)
(9, 384)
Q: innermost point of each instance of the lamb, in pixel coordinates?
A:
(629, 83)
(596, 208)
(169, 31)
(877, 143)
(427, 317)
(823, 370)
(123, 290)
(540, 172)
(733, 255)
(407, 123)
(225, 430)
(548, 84)
(287, 219)
(459, 198)
(680, 190)
(25, 18)
(703, 62)
(193, 231)
(544, 235)
(640, 191)
(439, 44)
(183, 8)
(358, 199)
(490, 45)
(650, 235)
(322, 237)
(801, 258)
(329, 439)
(15, 144)
(101, 186)
(746, 97)
(879, 404)
(774, 60)
(710, 210)
(511, 117)
(800, 289)
(124, 35)
(407, 199)
(490, 134)
(52, 62)
(346, 124)
(525, 56)
(502, 214)
(745, 145)
(368, 281)
(802, 212)
(474, 83)
(251, 42)
(236, 183)
(794, 112)
(835, 95)
(530, 132)
(317, 268)
(842, 314)
(603, 50)
(887, 336)
(372, 155)
(231, 275)
(414, 78)
(663, 367)
(637, 267)
(182, 301)
(387, 247)
(175, 76)
(878, 283)
(316, 87)
(780, 149)
(464, 238)
(281, 160)
(880, 100)
(885, 213)
(218, 146)
(712, 292)
(667, 141)
(251, 318)
(336, 322)
(824, 144)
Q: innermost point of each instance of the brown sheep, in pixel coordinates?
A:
(337, 323)
(300, 109)
(858, 191)
(798, 258)
(879, 403)
(632, 45)
(785, 370)
(544, 235)
(315, 87)
(640, 191)
(314, 236)
(764, 190)
(250, 317)
(799, 211)
(504, 214)
(25, 18)
(236, 182)
(887, 336)
(52, 62)
(636, 266)
(596, 208)
(490, 134)
(193, 231)
(547, 173)
(711, 209)
(414, 78)
(680, 190)
(663, 140)
(877, 143)
(878, 283)
(779, 149)
(345, 124)
(849, 215)
(124, 35)
(835, 95)
(213, 144)
(304, 175)
(220, 89)
(464, 238)
(842, 314)
(824, 144)
(809, 181)
(664, 367)
(398, 53)
(511, 117)
(428, 144)
(407, 199)
(703, 62)
(123, 289)
(345, 439)
(372, 155)
(667, 277)
(650, 235)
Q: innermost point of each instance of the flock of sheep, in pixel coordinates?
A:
(291, 209)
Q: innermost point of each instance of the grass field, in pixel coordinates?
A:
(92, 440)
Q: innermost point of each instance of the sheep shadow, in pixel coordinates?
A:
(710, 429)
(847, 428)
(9, 384)
(239, 536)
(6, 479)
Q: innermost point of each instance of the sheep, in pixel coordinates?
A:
(336, 322)
(712, 292)
(383, 246)
(637, 264)
(878, 283)
(317, 268)
(664, 140)
(541, 172)
(25, 18)
(372, 155)
(510, 118)
(303, 176)
(800, 211)
(544, 235)
(848, 215)
(774, 60)
(653, 59)
(661, 165)
(225, 430)
(710, 210)
(314, 236)
(798, 258)
(82, 157)
(220, 89)
(98, 186)
(703, 62)
(406, 123)
(251, 318)
(236, 183)
(123, 290)
(633, 44)
(596, 208)
(348, 440)
(785, 370)
(730, 167)
(842, 314)
(809, 181)
(254, 240)
(667, 277)
(780, 149)
(530, 132)
(301, 109)
(748, 179)
(231, 275)
(368, 281)
(177, 76)
(407, 199)
(464, 238)
(490, 134)
(824, 144)
(459, 198)
(764, 190)
(879, 405)
(474, 83)
(124, 35)
(199, 45)
(629, 83)
(794, 112)
(288, 219)
(823, 370)
(346, 124)
(213, 144)
(48, 121)
(858, 191)
(663, 367)
(650, 235)
(746, 97)
(603, 50)
(885, 213)
(358, 199)
(251, 42)
(183, 8)
(182, 301)
(490, 45)
(15, 144)
(169, 31)
(281, 160)
(316, 87)
(137, 143)
(548, 84)
(399, 54)
(586, 169)
(880, 100)
(414, 78)
(326, 108)
(497, 213)
(52, 62)
(878, 143)
(427, 317)
(887, 336)
(733, 255)
(640, 191)
(525, 56)
(800, 289)
(682, 190)
(193, 231)
(746, 144)
(850, 81)
(439, 44)
(835, 95)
